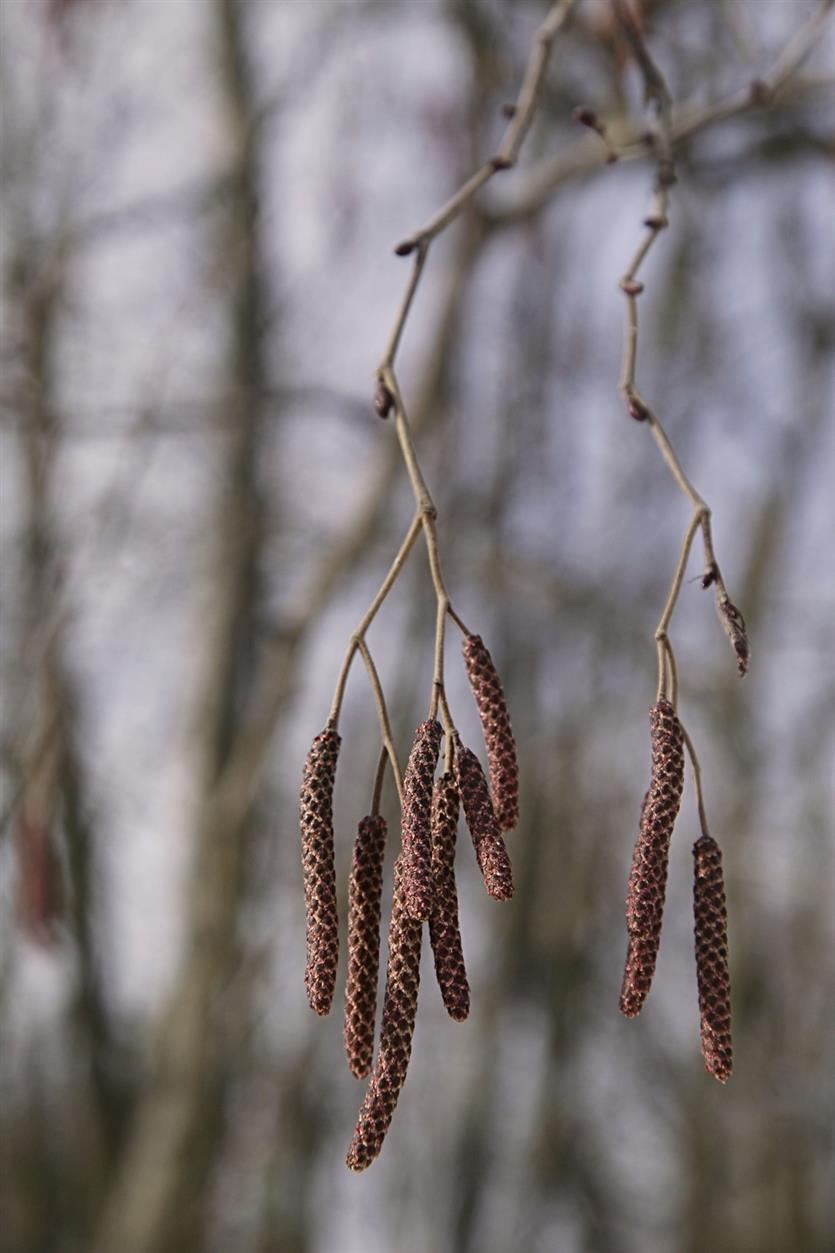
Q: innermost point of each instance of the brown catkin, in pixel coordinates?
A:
(416, 830)
(711, 932)
(365, 888)
(444, 931)
(490, 847)
(502, 766)
(316, 818)
(648, 874)
(396, 1031)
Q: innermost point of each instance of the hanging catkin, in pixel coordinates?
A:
(416, 833)
(316, 817)
(397, 1028)
(711, 934)
(444, 931)
(365, 888)
(490, 848)
(489, 696)
(648, 875)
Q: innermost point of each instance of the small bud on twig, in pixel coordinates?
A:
(637, 409)
(587, 117)
(760, 93)
(405, 248)
(631, 286)
(383, 399)
(509, 111)
(710, 575)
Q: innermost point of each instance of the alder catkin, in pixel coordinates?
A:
(648, 874)
(711, 934)
(396, 1031)
(490, 847)
(316, 819)
(502, 764)
(365, 888)
(416, 831)
(444, 931)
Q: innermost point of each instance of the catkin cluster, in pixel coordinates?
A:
(424, 891)
(646, 891)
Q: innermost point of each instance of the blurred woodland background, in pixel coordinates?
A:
(199, 204)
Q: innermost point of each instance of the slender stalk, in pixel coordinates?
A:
(358, 634)
(697, 779)
(382, 714)
(379, 778)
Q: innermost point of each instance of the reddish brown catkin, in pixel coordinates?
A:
(416, 832)
(365, 888)
(444, 931)
(711, 932)
(648, 874)
(490, 847)
(316, 818)
(489, 696)
(396, 1031)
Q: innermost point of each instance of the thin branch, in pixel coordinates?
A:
(382, 714)
(655, 222)
(697, 779)
(522, 115)
(358, 634)
(688, 120)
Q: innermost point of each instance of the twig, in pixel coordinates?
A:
(688, 120)
(697, 779)
(382, 713)
(657, 93)
(358, 634)
(521, 113)
(388, 395)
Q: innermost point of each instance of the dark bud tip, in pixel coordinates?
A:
(406, 248)
(655, 222)
(637, 409)
(586, 117)
(509, 111)
(612, 158)
(710, 575)
(760, 93)
(500, 163)
(383, 399)
(666, 175)
(631, 286)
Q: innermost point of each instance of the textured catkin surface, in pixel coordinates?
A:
(396, 1031)
(648, 875)
(365, 888)
(711, 935)
(444, 931)
(416, 833)
(316, 820)
(503, 769)
(490, 847)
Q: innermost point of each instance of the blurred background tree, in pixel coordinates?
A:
(198, 207)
